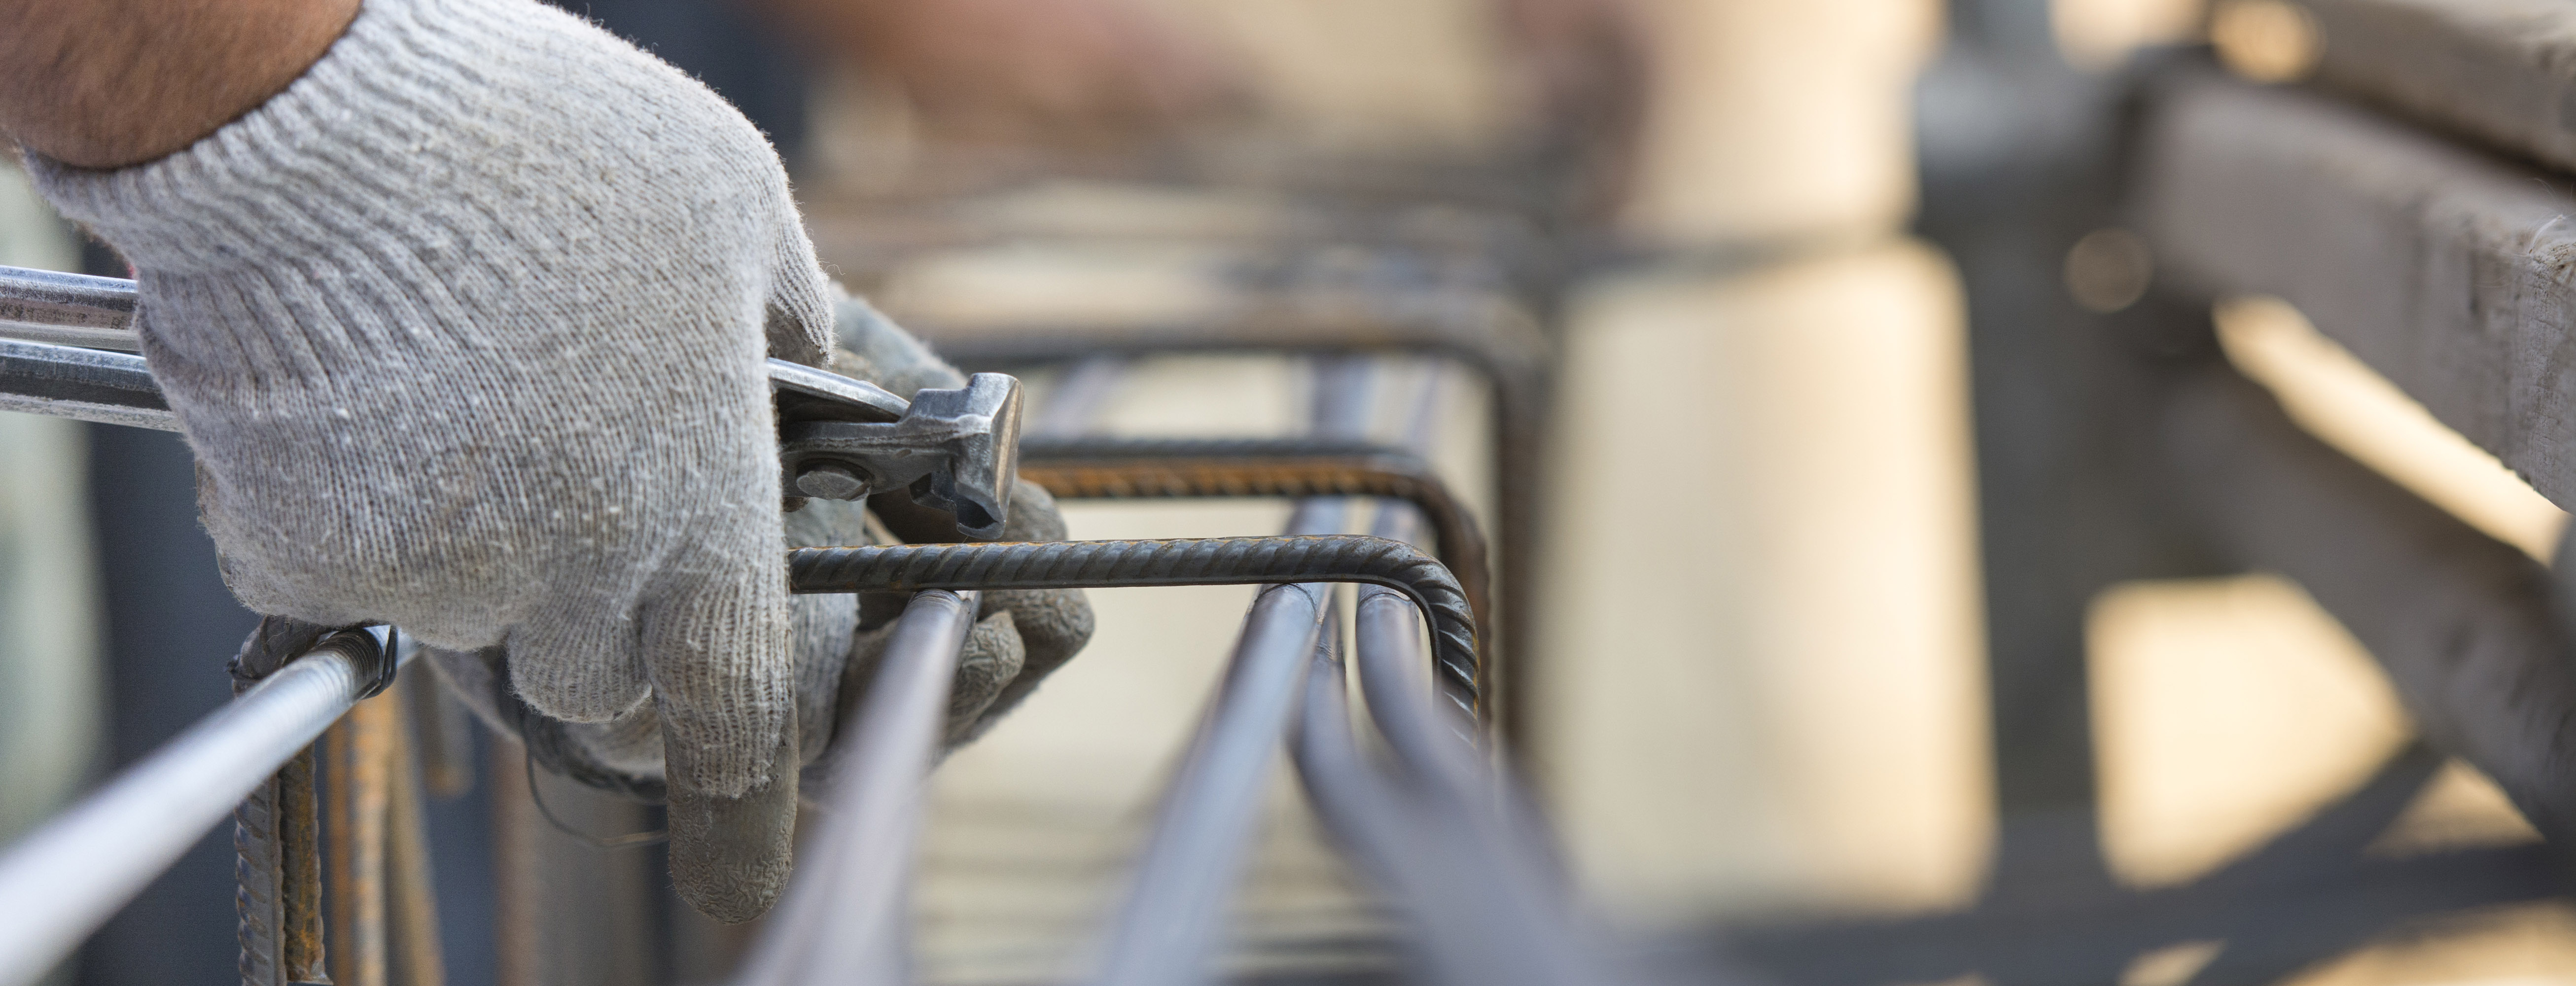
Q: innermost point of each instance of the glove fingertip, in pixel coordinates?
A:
(731, 856)
(994, 656)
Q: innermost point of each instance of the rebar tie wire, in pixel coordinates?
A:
(1181, 561)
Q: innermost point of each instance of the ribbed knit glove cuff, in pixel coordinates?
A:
(415, 126)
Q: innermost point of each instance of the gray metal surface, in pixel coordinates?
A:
(1169, 928)
(844, 918)
(67, 309)
(90, 858)
(81, 384)
(965, 442)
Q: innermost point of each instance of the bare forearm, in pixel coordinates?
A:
(107, 83)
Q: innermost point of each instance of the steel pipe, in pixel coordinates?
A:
(843, 917)
(90, 859)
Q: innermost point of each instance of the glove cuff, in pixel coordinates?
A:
(415, 89)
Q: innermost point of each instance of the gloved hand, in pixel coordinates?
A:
(1020, 636)
(466, 330)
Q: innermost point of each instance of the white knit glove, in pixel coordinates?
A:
(466, 328)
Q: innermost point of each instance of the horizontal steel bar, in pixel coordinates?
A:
(68, 309)
(68, 877)
(81, 384)
(1116, 468)
(1498, 339)
(1187, 561)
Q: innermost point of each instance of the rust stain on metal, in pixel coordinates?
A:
(360, 748)
(301, 952)
(413, 899)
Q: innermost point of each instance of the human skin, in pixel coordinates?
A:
(108, 83)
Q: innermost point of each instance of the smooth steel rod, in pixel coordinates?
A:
(68, 877)
(1167, 932)
(1170, 926)
(1470, 922)
(67, 309)
(843, 919)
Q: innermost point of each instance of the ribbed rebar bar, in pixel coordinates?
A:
(1122, 469)
(277, 844)
(1498, 340)
(1186, 561)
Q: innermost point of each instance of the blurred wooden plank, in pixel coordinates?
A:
(2503, 71)
(2462, 623)
(2446, 271)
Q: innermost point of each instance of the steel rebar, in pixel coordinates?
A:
(843, 917)
(1124, 468)
(1167, 932)
(81, 384)
(277, 836)
(358, 794)
(67, 309)
(91, 858)
(1470, 922)
(1497, 340)
(411, 894)
(1168, 927)
(1185, 561)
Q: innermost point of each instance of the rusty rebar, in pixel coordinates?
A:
(412, 898)
(1486, 332)
(277, 837)
(1135, 469)
(360, 796)
(1188, 561)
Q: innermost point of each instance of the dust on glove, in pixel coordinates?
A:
(466, 328)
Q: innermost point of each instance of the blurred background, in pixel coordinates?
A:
(1773, 684)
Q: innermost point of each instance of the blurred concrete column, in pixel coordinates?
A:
(49, 675)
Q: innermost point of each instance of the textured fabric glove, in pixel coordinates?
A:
(466, 329)
(1020, 636)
